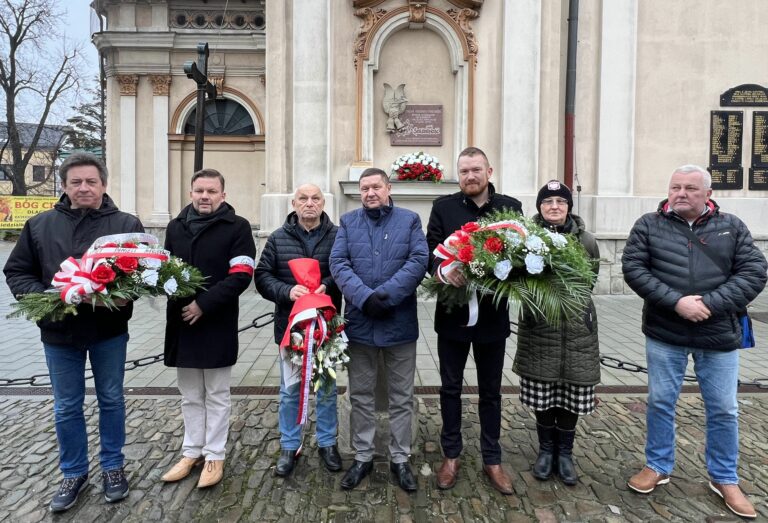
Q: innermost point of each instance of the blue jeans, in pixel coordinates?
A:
(66, 366)
(717, 373)
(325, 412)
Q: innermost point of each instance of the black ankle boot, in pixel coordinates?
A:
(542, 469)
(565, 467)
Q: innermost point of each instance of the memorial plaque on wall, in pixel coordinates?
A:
(726, 131)
(758, 179)
(758, 174)
(760, 139)
(422, 125)
(745, 95)
(726, 177)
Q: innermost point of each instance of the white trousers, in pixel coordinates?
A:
(205, 405)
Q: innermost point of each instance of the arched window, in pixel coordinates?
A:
(222, 116)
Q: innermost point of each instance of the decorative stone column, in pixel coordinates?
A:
(128, 84)
(520, 95)
(161, 86)
(310, 119)
(618, 73)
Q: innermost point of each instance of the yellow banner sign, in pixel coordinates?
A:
(15, 210)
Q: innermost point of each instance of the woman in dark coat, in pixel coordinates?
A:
(559, 366)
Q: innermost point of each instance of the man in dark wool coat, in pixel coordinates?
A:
(201, 332)
(488, 337)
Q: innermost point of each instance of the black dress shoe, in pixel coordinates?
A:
(404, 476)
(356, 473)
(285, 463)
(331, 458)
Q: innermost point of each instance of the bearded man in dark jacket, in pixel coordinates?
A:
(697, 269)
(201, 331)
(84, 213)
(307, 233)
(488, 336)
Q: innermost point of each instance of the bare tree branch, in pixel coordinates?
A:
(31, 81)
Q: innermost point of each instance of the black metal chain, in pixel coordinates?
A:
(607, 361)
(43, 380)
(615, 363)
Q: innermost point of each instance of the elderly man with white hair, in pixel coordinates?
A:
(697, 268)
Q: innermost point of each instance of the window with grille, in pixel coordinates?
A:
(222, 117)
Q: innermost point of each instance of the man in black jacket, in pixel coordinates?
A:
(307, 233)
(84, 213)
(697, 269)
(201, 331)
(488, 337)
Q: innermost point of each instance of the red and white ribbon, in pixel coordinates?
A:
(74, 280)
(244, 264)
(314, 321)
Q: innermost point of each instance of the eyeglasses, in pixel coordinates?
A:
(550, 202)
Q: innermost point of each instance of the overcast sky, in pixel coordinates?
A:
(78, 29)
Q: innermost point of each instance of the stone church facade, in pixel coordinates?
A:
(301, 85)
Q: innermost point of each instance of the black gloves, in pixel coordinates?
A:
(375, 305)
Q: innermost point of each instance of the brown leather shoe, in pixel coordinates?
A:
(499, 479)
(182, 469)
(449, 471)
(734, 499)
(646, 480)
(213, 471)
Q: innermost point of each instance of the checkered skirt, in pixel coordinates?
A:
(543, 395)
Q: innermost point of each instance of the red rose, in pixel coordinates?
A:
(103, 273)
(493, 245)
(126, 264)
(110, 244)
(461, 237)
(340, 329)
(466, 254)
(130, 245)
(328, 314)
(470, 227)
(318, 336)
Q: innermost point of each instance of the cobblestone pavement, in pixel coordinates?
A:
(609, 448)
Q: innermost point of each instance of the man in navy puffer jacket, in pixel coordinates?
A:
(378, 260)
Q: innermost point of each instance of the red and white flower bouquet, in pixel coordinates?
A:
(417, 166)
(115, 268)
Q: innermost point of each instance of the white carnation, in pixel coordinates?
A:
(150, 277)
(534, 263)
(170, 286)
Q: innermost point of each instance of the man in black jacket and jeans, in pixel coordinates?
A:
(307, 233)
(84, 213)
(697, 269)
(488, 337)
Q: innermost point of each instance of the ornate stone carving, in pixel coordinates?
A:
(161, 84)
(366, 3)
(394, 105)
(128, 83)
(462, 17)
(467, 4)
(417, 11)
(242, 19)
(370, 17)
(263, 80)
